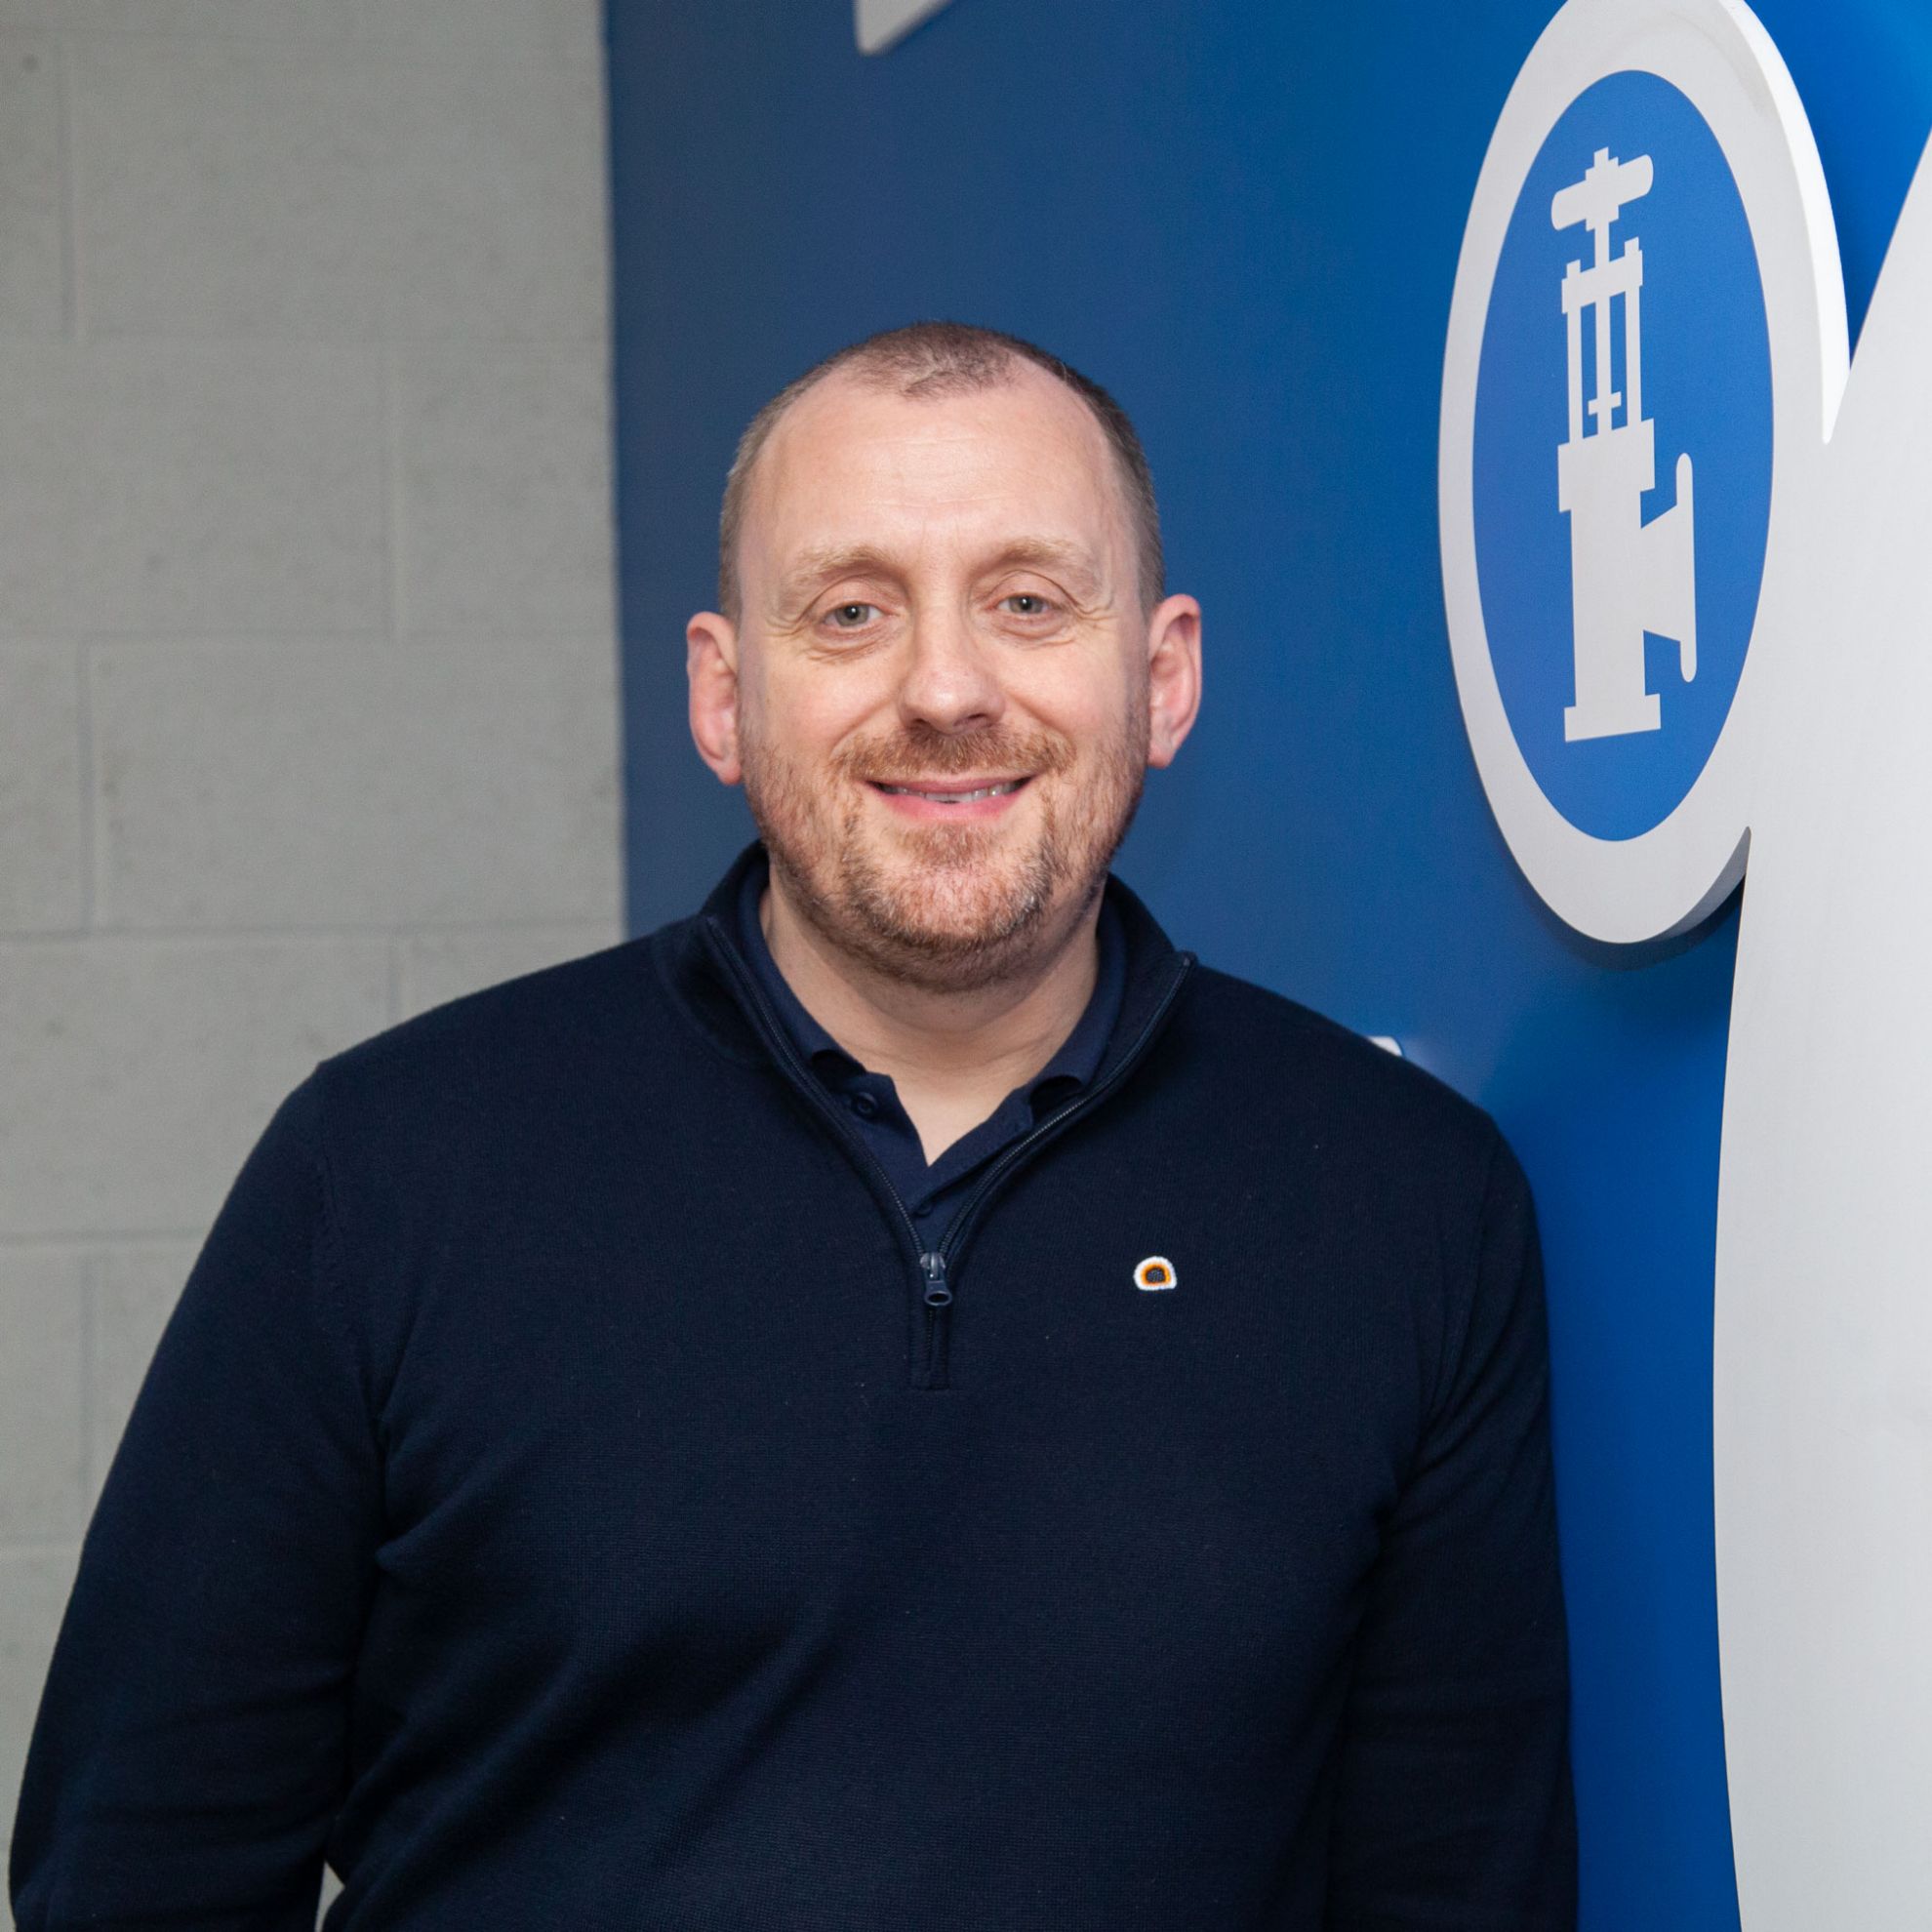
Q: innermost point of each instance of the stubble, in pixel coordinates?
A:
(948, 908)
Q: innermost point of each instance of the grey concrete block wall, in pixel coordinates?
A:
(134, 1073)
(43, 810)
(42, 1296)
(340, 784)
(497, 489)
(34, 278)
(557, 26)
(307, 665)
(192, 486)
(375, 176)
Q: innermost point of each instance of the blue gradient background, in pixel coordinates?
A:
(1244, 219)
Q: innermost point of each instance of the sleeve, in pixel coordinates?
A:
(190, 1748)
(1454, 1805)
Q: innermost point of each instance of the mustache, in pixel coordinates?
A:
(921, 751)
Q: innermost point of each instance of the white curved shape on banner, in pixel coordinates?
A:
(1823, 1397)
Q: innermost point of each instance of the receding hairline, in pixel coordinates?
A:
(933, 361)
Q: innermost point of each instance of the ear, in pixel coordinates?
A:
(710, 663)
(1173, 676)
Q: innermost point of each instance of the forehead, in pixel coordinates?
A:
(850, 465)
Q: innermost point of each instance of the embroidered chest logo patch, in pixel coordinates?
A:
(1156, 1271)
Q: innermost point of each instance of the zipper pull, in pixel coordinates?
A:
(938, 1294)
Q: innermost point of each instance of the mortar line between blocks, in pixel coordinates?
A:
(92, 1241)
(67, 149)
(91, 816)
(90, 1290)
(393, 515)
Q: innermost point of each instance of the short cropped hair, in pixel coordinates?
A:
(948, 359)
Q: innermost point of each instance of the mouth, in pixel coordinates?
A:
(950, 794)
(950, 798)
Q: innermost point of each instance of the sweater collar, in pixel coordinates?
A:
(705, 966)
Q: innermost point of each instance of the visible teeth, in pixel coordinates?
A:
(955, 797)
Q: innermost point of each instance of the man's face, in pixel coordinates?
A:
(942, 677)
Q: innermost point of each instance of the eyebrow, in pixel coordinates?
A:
(823, 563)
(1050, 553)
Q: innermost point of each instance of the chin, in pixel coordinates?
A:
(951, 898)
(962, 913)
(939, 911)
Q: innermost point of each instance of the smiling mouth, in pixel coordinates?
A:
(932, 794)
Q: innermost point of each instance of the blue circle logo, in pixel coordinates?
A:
(1622, 447)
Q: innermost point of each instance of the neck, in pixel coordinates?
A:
(952, 1055)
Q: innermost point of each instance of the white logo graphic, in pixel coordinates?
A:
(1156, 1271)
(1627, 576)
(880, 24)
(1650, 872)
(1821, 1394)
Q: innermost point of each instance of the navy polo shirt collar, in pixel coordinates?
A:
(872, 1100)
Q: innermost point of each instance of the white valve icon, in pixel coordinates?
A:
(1627, 576)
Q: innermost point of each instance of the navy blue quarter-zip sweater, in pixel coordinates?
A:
(932, 1192)
(563, 1497)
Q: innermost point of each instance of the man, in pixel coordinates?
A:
(900, 1402)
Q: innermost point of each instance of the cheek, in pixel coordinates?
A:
(812, 716)
(1091, 707)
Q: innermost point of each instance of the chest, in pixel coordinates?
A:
(654, 1440)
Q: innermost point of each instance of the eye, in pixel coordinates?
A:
(851, 616)
(1027, 603)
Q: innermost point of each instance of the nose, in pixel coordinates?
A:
(952, 679)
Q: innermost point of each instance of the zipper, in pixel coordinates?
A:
(938, 1298)
(937, 1295)
(1088, 1097)
(935, 1265)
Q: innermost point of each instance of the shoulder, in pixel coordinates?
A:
(1407, 1188)
(553, 1002)
(1283, 1069)
(506, 1047)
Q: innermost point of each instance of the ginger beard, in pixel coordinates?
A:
(948, 909)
